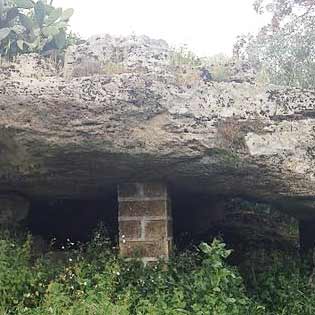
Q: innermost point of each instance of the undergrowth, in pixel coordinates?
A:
(93, 280)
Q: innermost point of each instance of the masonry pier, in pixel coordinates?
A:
(145, 221)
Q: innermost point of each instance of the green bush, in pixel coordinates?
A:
(283, 283)
(94, 280)
(220, 67)
(32, 26)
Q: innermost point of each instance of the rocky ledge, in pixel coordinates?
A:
(130, 109)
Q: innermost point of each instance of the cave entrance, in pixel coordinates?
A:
(74, 220)
(241, 224)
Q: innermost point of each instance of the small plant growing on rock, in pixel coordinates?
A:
(94, 67)
(28, 26)
(220, 67)
(183, 56)
(230, 134)
(185, 65)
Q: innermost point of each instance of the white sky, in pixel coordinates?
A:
(207, 26)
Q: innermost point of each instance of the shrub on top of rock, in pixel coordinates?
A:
(32, 26)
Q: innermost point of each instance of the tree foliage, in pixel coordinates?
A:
(32, 26)
(281, 9)
(283, 49)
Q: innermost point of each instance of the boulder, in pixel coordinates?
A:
(131, 109)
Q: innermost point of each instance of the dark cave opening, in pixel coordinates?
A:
(243, 225)
(74, 220)
(196, 218)
(77, 220)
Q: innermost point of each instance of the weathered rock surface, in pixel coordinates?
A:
(127, 109)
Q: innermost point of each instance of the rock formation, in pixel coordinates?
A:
(130, 109)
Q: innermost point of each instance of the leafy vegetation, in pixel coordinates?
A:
(189, 68)
(32, 26)
(183, 56)
(281, 282)
(219, 66)
(283, 51)
(94, 280)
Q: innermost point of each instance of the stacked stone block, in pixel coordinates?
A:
(145, 221)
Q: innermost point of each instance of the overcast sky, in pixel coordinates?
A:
(207, 26)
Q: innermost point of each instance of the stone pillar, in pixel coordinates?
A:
(307, 236)
(145, 221)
